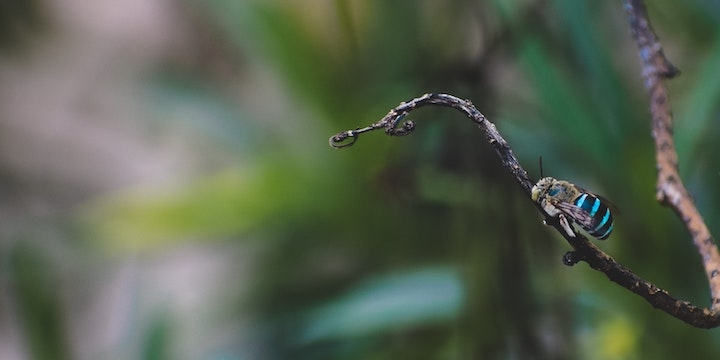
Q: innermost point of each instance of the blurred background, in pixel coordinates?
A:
(168, 191)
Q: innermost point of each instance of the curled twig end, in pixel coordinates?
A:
(343, 140)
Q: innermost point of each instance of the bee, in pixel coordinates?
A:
(560, 198)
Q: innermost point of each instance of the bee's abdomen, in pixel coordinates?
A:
(602, 221)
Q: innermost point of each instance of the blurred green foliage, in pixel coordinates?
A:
(424, 247)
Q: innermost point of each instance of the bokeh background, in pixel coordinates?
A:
(168, 191)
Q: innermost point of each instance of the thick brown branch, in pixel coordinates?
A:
(584, 250)
(657, 297)
(670, 189)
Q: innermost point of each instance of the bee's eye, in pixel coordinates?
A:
(553, 191)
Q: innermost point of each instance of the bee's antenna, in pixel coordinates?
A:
(541, 171)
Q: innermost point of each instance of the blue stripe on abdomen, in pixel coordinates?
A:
(582, 202)
(589, 203)
(600, 214)
(602, 231)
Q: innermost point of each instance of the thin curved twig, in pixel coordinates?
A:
(390, 123)
(584, 250)
(670, 189)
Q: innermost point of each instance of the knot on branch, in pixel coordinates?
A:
(571, 258)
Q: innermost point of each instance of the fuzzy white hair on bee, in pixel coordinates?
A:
(560, 197)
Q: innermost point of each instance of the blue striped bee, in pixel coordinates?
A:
(560, 198)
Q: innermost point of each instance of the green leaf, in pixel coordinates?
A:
(389, 303)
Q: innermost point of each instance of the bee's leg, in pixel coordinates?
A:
(566, 225)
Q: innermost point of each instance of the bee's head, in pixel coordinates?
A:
(542, 187)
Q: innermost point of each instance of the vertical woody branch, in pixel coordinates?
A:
(656, 69)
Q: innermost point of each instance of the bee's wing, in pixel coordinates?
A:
(580, 216)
